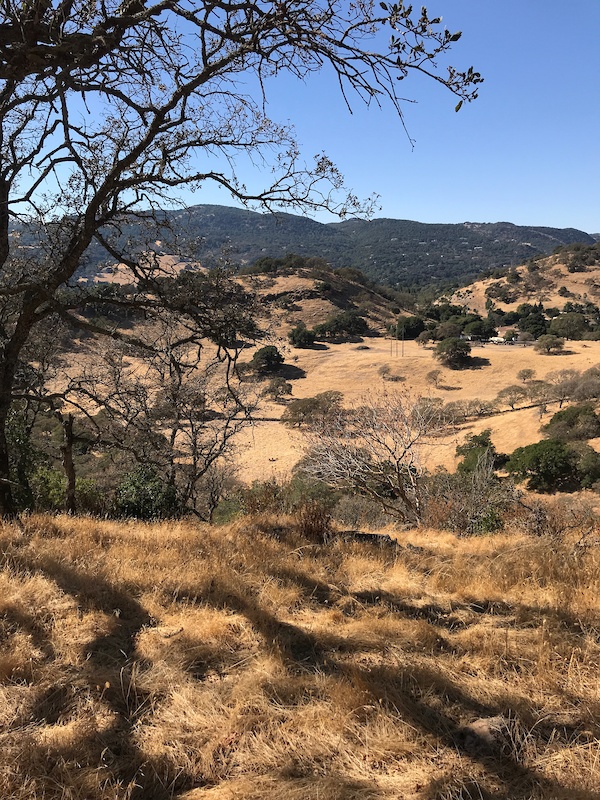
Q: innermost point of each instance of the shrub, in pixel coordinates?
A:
(145, 495)
(313, 521)
(469, 502)
(573, 423)
(301, 337)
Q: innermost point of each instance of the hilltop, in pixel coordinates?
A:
(386, 250)
(570, 274)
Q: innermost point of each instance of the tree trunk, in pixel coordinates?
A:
(7, 506)
(68, 463)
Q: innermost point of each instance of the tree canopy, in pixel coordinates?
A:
(106, 109)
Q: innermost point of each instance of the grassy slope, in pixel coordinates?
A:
(175, 661)
(270, 450)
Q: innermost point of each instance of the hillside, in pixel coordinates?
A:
(571, 274)
(182, 662)
(270, 449)
(389, 251)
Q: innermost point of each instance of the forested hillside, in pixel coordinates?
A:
(387, 250)
(390, 251)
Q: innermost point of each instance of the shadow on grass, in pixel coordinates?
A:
(109, 672)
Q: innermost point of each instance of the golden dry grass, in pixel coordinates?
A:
(268, 449)
(179, 661)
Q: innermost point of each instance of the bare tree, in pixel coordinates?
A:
(106, 108)
(375, 448)
(170, 408)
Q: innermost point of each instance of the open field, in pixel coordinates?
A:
(270, 449)
(146, 662)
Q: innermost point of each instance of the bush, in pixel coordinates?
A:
(313, 521)
(145, 495)
(577, 422)
(453, 353)
(469, 502)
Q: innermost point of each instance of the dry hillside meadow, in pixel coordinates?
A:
(247, 662)
(270, 450)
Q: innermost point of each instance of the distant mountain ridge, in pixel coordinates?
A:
(390, 251)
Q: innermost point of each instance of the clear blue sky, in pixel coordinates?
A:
(527, 151)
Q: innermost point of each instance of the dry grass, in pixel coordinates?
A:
(179, 661)
(270, 450)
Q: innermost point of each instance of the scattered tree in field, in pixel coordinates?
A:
(453, 353)
(277, 388)
(312, 411)
(548, 343)
(526, 375)
(107, 108)
(511, 395)
(346, 323)
(374, 449)
(266, 360)
(301, 336)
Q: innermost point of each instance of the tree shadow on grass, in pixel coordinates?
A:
(109, 673)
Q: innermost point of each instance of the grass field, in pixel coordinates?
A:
(180, 661)
(269, 449)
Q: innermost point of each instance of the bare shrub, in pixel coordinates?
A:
(565, 516)
(469, 503)
(313, 522)
(374, 449)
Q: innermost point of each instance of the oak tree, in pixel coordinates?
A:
(107, 108)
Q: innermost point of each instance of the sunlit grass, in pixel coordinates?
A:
(179, 661)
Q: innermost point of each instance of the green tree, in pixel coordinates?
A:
(569, 326)
(409, 327)
(453, 353)
(301, 336)
(548, 343)
(548, 466)
(346, 323)
(266, 359)
(475, 449)
(143, 494)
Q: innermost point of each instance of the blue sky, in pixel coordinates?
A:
(527, 151)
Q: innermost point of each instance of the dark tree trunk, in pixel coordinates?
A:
(7, 507)
(68, 463)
